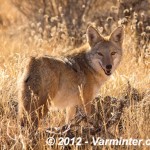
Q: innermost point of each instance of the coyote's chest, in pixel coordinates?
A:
(66, 98)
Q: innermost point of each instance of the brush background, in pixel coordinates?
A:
(51, 27)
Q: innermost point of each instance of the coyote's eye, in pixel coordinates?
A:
(99, 53)
(113, 53)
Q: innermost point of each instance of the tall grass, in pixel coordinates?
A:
(131, 79)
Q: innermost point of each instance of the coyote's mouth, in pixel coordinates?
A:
(107, 72)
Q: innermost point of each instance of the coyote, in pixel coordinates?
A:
(55, 81)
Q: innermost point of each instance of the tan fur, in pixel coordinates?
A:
(54, 82)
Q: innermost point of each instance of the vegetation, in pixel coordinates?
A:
(51, 27)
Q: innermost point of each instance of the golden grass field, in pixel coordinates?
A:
(21, 37)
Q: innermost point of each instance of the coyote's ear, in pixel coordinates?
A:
(93, 36)
(117, 36)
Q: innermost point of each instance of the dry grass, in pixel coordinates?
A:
(131, 80)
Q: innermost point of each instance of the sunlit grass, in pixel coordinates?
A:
(133, 73)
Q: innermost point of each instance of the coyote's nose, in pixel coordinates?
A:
(108, 67)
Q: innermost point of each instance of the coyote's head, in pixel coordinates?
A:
(106, 52)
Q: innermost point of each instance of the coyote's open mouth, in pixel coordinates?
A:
(107, 72)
